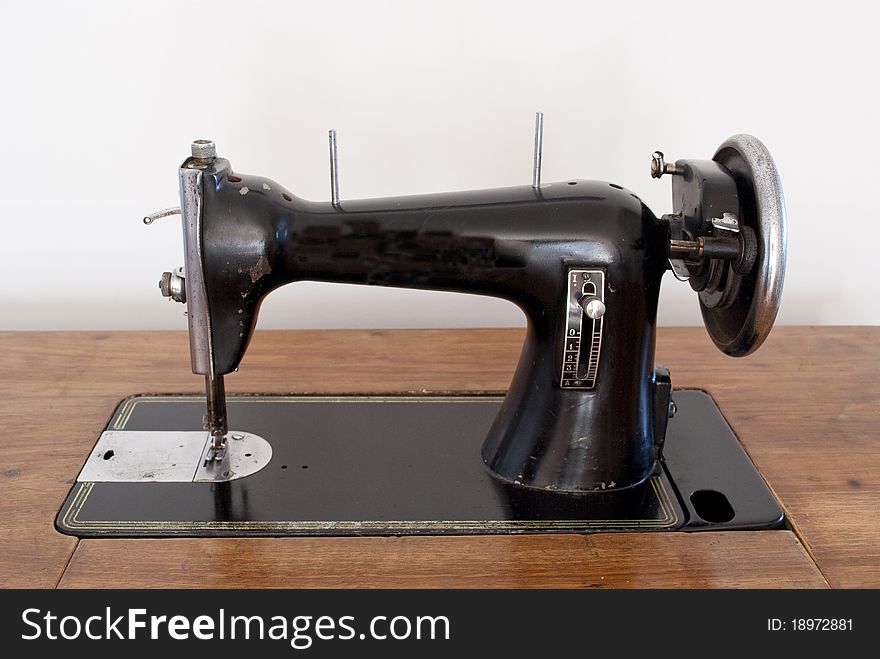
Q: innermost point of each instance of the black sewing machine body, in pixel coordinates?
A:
(517, 243)
(579, 441)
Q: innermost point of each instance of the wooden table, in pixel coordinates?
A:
(806, 407)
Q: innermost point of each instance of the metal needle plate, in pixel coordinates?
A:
(155, 456)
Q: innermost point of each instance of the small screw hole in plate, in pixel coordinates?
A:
(712, 506)
(108, 454)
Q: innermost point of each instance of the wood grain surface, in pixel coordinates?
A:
(806, 407)
(652, 560)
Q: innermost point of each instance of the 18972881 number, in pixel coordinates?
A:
(810, 624)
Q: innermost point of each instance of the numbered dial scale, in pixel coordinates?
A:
(583, 329)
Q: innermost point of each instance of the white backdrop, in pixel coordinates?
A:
(100, 101)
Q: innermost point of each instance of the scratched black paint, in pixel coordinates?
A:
(513, 243)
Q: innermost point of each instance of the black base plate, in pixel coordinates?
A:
(398, 465)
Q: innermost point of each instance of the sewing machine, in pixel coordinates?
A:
(589, 435)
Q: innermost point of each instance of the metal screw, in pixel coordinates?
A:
(204, 150)
(659, 166)
(173, 285)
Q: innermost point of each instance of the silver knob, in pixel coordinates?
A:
(204, 150)
(173, 285)
(593, 307)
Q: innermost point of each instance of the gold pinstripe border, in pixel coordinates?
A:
(71, 521)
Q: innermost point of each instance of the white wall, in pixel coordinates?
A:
(100, 101)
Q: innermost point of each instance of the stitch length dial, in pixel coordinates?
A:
(583, 335)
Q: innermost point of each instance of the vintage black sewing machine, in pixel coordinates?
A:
(589, 436)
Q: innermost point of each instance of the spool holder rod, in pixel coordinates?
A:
(334, 170)
(539, 150)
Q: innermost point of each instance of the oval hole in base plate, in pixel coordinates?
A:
(712, 506)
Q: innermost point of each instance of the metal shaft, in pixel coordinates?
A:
(539, 149)
(216, 395)
(705, 247)
(152, 217)
(334, 171)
